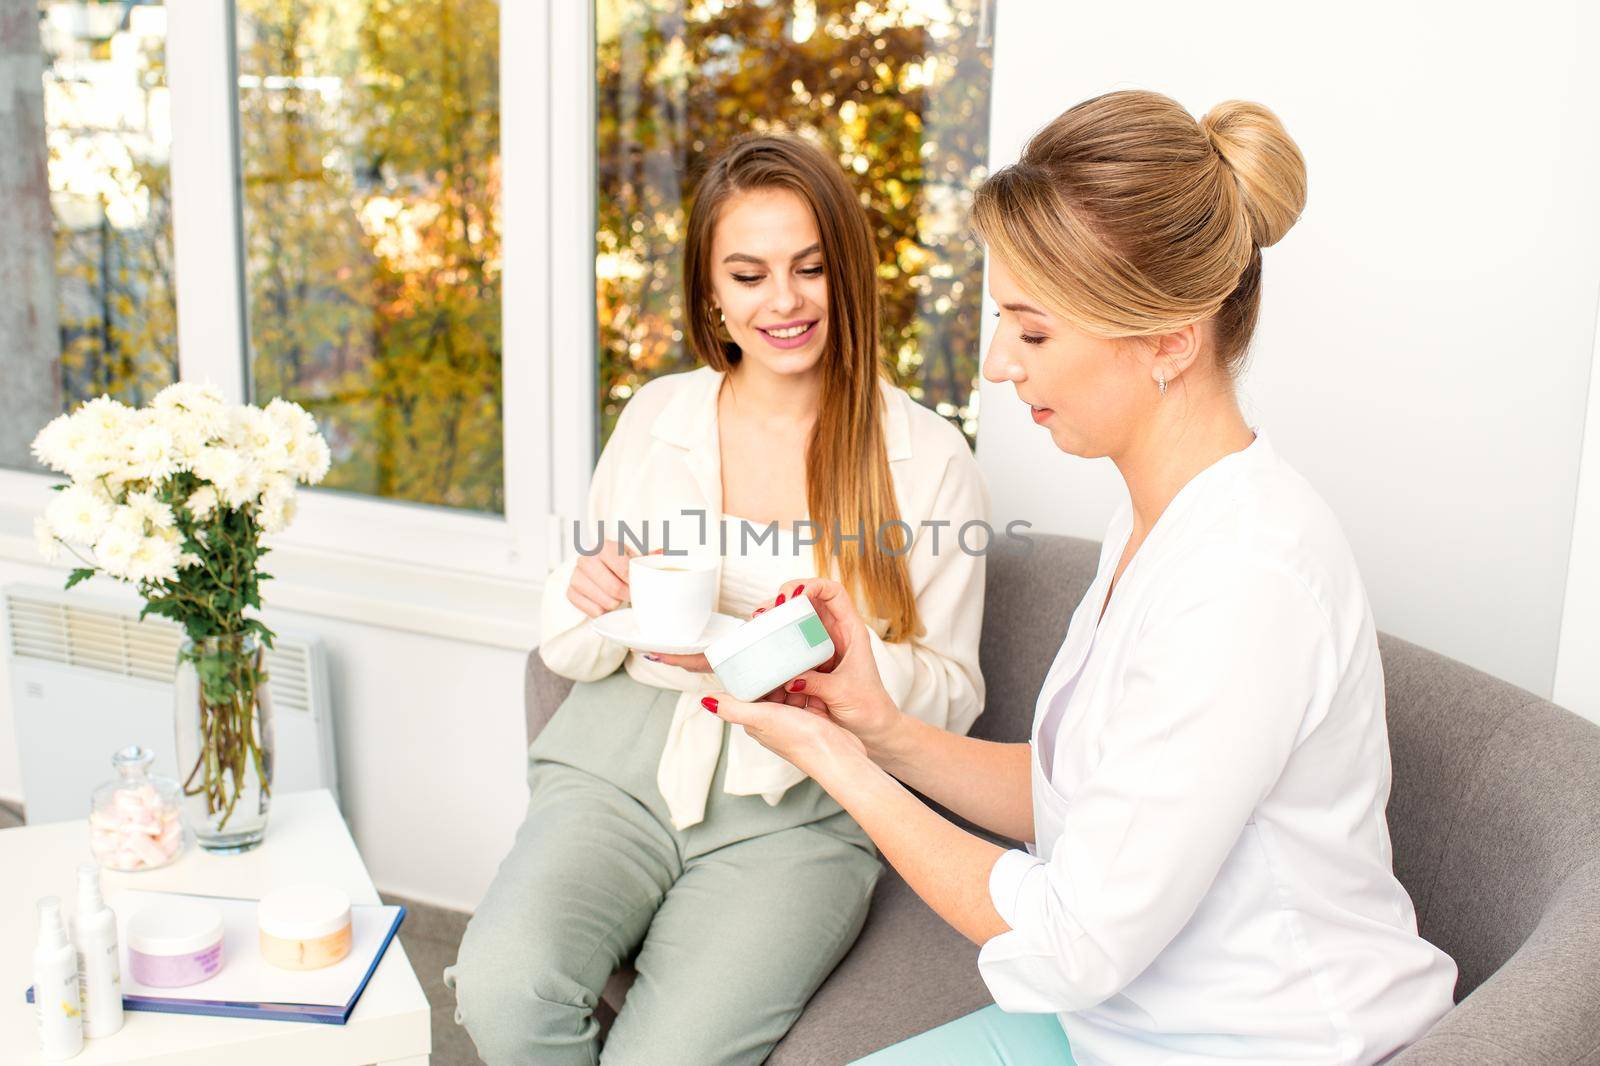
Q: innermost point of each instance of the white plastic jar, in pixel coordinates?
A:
(304, 927)
(771, 649)
(175, 942)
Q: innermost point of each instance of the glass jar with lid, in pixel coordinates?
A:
(136, 818)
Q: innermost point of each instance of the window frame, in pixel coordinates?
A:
(546, 56)
(479, 573)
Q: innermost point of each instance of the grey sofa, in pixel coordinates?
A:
(1494, 815)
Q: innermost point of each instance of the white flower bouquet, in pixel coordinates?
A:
(174, 498)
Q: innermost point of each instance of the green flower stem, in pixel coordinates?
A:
(229, 682)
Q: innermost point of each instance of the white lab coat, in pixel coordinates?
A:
(1211, 879)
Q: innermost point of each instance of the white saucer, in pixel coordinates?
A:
(619, 626)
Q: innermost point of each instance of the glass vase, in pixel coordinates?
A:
(224, 736)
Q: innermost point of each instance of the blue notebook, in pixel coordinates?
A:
(247, 986)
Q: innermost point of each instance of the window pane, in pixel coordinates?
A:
(898, 91)
(369, 134)
(87, 304)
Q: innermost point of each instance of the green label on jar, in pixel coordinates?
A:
(812, 629)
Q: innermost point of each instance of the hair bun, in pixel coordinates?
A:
(1266, 164)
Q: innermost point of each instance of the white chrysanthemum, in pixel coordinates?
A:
(188, 435)
(292, 417)
(78, 514)
(157, 514)
(45, 538)
(202, 501)
(126, 518)
(107, 426)
(188, 559)
(238, 426)
(58, 443)
(106, 416)
(154, 559)
(115, 549)
(194, 413)
(218, 464)
(97, 452)
(201, 405)
(307, 456)
(278, 505)
(312, 459)
(236, 477)
(149, 455)
(276, 485)
(263, 438)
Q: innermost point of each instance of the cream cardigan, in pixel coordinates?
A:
(663, 459)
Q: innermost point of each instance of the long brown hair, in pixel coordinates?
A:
(1130, 218)
(848, 488)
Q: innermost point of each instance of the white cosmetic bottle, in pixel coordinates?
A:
(94, 928)
(55, 986)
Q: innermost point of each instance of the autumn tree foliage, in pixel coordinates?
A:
(898, 90)
(111, 192)
(369, 141)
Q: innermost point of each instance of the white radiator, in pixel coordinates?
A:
(88, 678)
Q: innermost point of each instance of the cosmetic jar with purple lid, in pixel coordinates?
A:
(174, 943)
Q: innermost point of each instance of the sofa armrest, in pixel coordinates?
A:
(543, 691)
(1543, 1005)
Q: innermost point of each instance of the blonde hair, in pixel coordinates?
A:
(1129, 218)
(849, 490)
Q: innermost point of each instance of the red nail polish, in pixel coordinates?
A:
(778, 600)
(759, 610)
(798, 589)
(709, 704)
(797, 685)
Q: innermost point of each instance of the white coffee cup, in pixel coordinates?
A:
(673, 595)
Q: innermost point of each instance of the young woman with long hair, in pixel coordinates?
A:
(655, 831)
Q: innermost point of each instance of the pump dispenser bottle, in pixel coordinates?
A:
(55, 986)
(94, 929)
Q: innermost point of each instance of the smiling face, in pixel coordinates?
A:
(1091, 393)
(767, 280)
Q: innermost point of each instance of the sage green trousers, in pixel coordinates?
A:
(732, 923)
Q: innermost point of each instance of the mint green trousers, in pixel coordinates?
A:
(734, 922)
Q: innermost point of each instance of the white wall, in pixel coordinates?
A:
(1428, 327)
(431, 742)
(1578, 662)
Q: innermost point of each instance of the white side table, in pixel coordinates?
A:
(306, 840)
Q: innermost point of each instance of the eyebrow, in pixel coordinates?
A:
(1023, 309)
(740, 257)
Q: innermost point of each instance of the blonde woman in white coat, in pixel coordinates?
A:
(1208, 875)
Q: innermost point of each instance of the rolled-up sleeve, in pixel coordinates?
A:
(1234, 665)
(1006, 880)
(934, 676)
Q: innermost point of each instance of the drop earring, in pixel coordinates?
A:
(1161, 382)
